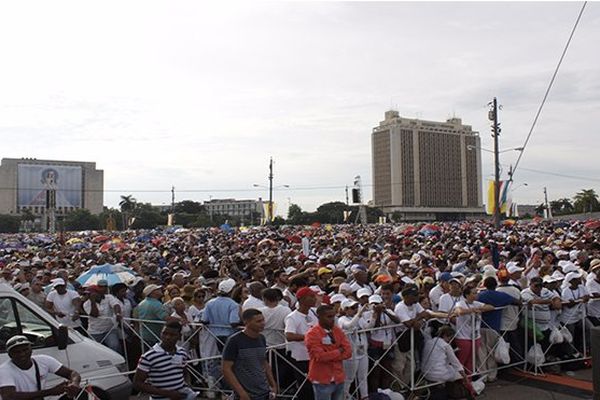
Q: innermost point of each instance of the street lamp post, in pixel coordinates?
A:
(493, 116)
(270, 204)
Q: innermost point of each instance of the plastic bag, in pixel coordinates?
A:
(535, 355)
(566, 334)
(478, 385)
(555, 336)
(392, 395)
(502, 352)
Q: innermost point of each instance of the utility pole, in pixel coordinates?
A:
(347, 201)
(493, 116)
(172, 199)
(270, 206)
(548, 210)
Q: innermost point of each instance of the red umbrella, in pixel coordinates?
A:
(592, 224)
(295, 239)
(100, 239)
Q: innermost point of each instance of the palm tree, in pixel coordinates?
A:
(586, 201)
(127, 205)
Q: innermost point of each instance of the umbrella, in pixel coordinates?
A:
(100, 239)
(112, 246)
(112, 273)
(74, 240)
(592, 225)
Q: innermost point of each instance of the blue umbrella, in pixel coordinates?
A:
(112, 273)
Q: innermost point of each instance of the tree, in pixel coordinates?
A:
(107, 214)
(9, 223)
(331, 213)
(147, 217)
(586, 201)
(81, 220)
(127, 204)
(539, 210)
(295, 215)
(189, 207)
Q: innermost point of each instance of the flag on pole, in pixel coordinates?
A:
(504, 197)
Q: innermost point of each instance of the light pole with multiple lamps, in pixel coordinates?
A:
(270, 204)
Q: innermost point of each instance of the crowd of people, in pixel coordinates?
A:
(346, 311)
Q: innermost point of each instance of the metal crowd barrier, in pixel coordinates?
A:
(201, 366)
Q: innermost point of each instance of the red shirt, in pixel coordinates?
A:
(326, 355)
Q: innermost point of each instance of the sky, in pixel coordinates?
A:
(199, 95)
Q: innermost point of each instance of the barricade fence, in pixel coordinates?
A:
(205, 364)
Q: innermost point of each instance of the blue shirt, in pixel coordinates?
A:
(492, 319)
(220, 313)
(151, 309)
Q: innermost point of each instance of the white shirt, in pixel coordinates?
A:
(105, 320)
(593, 306)
(64, 304)
(434, 296)
(359, 340)
(292, 303)
(510, 314)
(252, 302)
(573, 314)
(25, 380)
(385, 336)
(439, 362)
(448, 302)
(542, 316)
(299, 323)
(468, 326)
(406, 313)
(275, 324)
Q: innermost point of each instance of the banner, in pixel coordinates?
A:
(505, 198)
(34, 180)
(269, 211)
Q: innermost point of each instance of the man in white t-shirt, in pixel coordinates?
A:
(255, 299)
(24, 375)
(64, 304)
(296, 325)
(574, 297)
(101, 323)
(593, 287)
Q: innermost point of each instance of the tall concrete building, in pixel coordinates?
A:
(426, 170)
(24, 183)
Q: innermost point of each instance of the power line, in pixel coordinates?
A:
(539, 111)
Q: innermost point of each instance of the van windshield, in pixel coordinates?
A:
(28, 324)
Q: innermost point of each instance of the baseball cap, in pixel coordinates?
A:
(513, 268)
(226, 286)
(445, 276)
(375, 299)
(304, 291)
(337, 298)
(151, 288)
(348, 303)
(15, 341)
(324, 270)
(58, 282)
(363, 292)
(572, 275)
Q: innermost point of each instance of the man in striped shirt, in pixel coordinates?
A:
(161, 371)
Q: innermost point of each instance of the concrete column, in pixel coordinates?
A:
(463, 170)
(396, 166)
(416, 168)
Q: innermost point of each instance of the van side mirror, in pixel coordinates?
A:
(62, 337)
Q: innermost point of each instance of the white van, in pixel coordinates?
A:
(20, 316)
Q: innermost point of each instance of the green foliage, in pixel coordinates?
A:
(147, 217)
(189, 207)
(586, 201)
(127, 203)
(9, 223)
(81, 220)
(116, 215)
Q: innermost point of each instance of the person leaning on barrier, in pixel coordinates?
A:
(541, 300)
(245, 365)
(151, 309)
(593, 287)
(24, 375)
(161, 371)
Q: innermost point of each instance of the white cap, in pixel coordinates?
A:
(151, 288)
(513, 268)
(345, 286)
(317, 289)
(572, 275)
(348, 303)
(226, 286)
(573, 254)
(569, 267)
(58, 282)
(407, 280)
(290, 270)
(558, 276)
(337, 298)
(363, 292)
(375, 299)
(548, 279)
